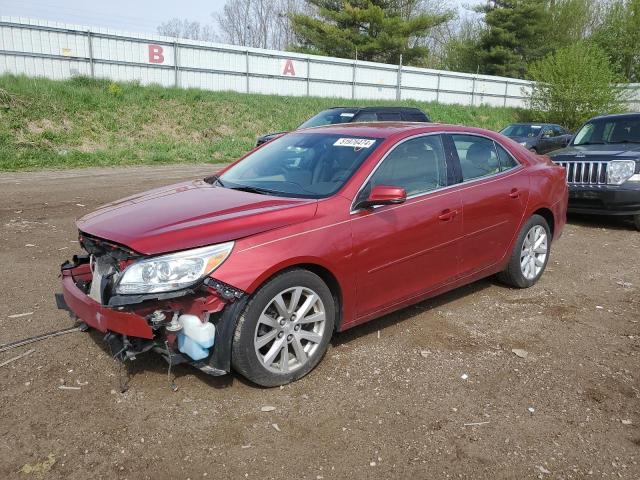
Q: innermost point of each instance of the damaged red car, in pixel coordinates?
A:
(255, 268)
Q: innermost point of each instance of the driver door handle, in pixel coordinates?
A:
(514, 193)
(447, 215)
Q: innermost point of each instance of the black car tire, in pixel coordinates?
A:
(244, 354)
(636, 221)
(513, 275)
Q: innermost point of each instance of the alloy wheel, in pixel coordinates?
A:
(534, 252)
(290, 330)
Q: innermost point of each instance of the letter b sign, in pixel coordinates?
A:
(155, 54)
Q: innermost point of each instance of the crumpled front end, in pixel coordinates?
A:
(193, 325)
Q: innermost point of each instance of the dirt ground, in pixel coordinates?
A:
(432, 391)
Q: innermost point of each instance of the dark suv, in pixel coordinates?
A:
(356, 114)
(540, 138)
(603, 166)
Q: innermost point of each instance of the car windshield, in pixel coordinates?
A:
(609, 130)
(306, 165)
(330, 117)
(518, 130)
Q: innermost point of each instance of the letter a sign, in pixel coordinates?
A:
(289, 68)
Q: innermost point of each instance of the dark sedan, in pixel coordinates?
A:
(337, 115)
(540, 138)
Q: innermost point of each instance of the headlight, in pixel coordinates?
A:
(172, 272)
(618, 171)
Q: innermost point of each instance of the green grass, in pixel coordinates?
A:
(84, 122)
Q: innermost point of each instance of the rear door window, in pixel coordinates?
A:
(366, 117)
(413, 117)
(389, 116)
(478, 157)
(507, 162)
(548, 132)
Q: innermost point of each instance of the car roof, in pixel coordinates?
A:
(378, 108)
(542, 124)
(617, 116)
(389, 129)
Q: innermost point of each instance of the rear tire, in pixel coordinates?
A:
(284, 330)
(530, 254)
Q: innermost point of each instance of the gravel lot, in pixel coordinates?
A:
(432, 391)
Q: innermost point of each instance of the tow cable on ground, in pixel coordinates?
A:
(19, 343)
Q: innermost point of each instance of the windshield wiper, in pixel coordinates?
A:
(247, 188)
(626, 141)
(591, 143)
(214, 180)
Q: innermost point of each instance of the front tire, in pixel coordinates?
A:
(530, 254)
(284, 330)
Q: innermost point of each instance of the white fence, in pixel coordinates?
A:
(58, 51)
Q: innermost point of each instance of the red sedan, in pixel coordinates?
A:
(256, 267)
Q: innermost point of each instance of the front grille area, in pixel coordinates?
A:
(585, 173)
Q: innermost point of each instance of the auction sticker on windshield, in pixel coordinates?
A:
(354, 142)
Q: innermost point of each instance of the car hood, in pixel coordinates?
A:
(191, 214)
(619, 151)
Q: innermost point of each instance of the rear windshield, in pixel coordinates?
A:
(521, 130)
(609, 130)
(307, 165)
(330, 117)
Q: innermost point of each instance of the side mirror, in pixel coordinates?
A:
(384, 195)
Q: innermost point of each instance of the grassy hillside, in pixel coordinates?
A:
(84, 122)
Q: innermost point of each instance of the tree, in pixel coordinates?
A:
(459, 51)
(573, 84)
(572, 21)
(619, 37)
(515, 36)
(259, 23)
(378, 30)
(183, 28)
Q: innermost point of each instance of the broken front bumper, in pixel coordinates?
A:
(102, 318)
(134, 324)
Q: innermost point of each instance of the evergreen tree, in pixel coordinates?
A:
(378, 30)
(517, 34)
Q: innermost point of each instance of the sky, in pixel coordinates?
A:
(141, 16)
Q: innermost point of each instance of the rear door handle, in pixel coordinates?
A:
(514, 193)
(447, 215)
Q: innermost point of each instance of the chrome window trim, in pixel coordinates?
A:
(519, 167)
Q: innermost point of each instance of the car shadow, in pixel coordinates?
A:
(410, 311)
(151, 362)
(613, 222)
